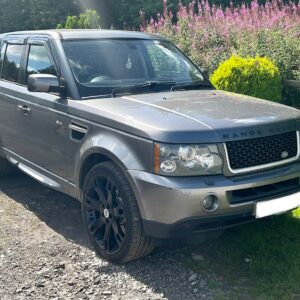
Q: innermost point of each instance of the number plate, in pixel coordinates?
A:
(277, 206)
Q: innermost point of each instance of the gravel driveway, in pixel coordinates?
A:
(44, 253)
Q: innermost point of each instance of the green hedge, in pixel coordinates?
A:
(257, 77)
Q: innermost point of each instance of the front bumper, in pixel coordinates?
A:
(171, 207)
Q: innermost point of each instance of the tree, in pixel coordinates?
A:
(125, 13)
(71, 23)
(35, 14)
(89, 19)
(45, 14)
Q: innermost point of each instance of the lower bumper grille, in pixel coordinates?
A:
(265, 192)
(259, 152)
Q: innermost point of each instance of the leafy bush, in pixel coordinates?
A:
(87, 20)
(257, 77)
(212, 34)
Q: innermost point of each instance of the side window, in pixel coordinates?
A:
(12, 62)
(39, 61)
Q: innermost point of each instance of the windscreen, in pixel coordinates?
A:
(99, 66)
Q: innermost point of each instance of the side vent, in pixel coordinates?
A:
(77, 131)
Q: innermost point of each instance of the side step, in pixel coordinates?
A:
(39, 177)
(42, 175)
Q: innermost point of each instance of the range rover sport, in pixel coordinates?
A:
(129, 126)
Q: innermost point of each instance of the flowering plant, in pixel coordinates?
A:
(210, 34)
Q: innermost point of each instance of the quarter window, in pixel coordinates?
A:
(39, 61)
(2, 49)
(12, 62)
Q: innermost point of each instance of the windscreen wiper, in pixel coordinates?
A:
(131, 88)
(190, 85)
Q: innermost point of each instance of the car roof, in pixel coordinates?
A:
(66, 34)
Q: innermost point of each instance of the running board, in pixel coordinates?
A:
(12, 161)
(37, 173)
(39, 177)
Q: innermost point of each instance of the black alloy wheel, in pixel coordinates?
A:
(111, 215)
(105, 214)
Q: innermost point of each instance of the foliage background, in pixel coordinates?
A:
(212, 35)
(34, 14)
(281, 44)
(42, 14)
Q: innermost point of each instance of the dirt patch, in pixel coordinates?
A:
(44, 253)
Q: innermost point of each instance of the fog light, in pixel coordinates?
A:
(211, 203)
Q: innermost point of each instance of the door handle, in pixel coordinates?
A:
(24, 108)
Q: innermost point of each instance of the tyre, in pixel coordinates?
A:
(111, 215)
(6, 168)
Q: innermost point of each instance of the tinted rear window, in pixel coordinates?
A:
(12, 62)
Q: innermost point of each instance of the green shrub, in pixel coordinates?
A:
(88, 19)
(257, 77)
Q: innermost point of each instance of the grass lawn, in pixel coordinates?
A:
(260, 260)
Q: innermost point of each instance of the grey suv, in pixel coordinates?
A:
(128, 125)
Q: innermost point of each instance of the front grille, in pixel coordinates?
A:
(274, 190)
(261, 151)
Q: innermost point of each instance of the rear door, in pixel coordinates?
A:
(12, 53)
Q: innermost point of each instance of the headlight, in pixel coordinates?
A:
(187, 160)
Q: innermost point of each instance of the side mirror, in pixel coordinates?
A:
(45, 83)
(204, 72)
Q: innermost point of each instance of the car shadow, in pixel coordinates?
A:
(60, 212)
(160, 272)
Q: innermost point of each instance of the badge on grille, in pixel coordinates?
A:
(284, 154)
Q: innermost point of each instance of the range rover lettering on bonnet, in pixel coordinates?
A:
(258, 132)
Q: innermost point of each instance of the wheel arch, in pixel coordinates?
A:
(93, 157)
(126, 151)
(98, 155)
